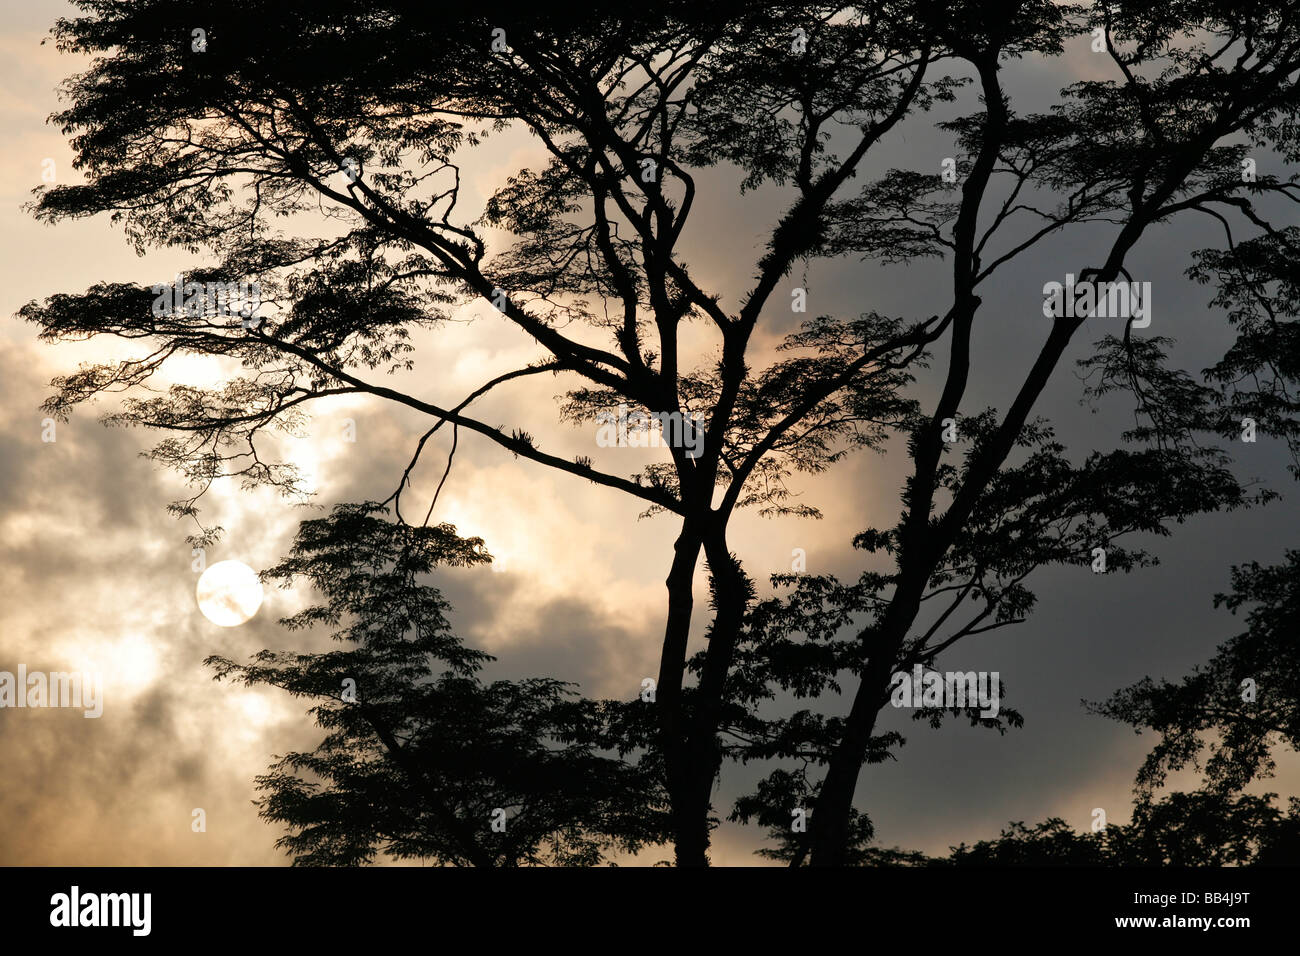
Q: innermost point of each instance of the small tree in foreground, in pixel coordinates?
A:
(422, 759)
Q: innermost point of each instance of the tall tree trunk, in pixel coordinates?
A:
(828, 829)
(923, 547)
(691, 752)
(730, 598)
(690, 835)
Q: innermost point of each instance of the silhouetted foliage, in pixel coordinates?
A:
(1042, 511)
(420, 753)
(1229, 716)
(1184, 829)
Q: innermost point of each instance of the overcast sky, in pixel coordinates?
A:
(97, 577)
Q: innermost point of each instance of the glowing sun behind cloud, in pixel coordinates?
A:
(229, 593)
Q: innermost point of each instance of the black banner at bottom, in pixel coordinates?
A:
(592, 909)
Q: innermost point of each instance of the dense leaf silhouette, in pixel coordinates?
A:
(421, 756)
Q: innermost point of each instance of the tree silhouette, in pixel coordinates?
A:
(422, 759)
(1226, 721)
(1183, 829)
(1228, 717)
(1041, 511)
(211, 143)
(1181, 100)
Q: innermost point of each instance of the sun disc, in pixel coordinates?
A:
(229, 593)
